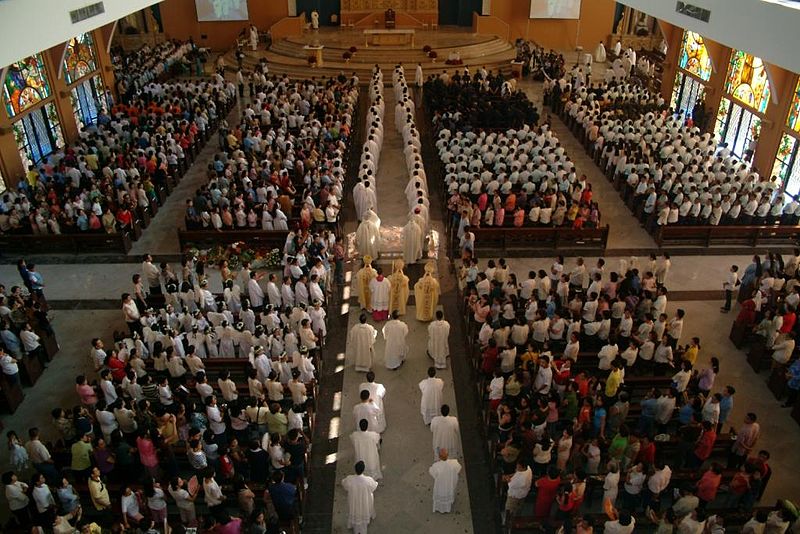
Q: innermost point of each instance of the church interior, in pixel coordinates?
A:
(329, 266)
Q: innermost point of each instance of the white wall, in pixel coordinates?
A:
(29, 26)
(765, 29)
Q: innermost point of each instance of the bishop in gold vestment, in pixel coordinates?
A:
(398, 297)
(363, 277)
(426, 294)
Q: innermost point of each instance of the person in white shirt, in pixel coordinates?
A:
(730, 283)
(519, 485)
(625, 524)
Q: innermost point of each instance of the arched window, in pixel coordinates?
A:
(694, 57)
(25, 85)
(747, 80)
(793, 120)
(79, 58)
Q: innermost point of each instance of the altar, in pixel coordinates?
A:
(389, 37)
(316, 51)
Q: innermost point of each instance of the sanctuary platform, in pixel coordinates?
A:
(288, 55)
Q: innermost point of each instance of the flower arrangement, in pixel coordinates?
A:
(346, 56)
(236, 254)
(433, 55)
(353, 49)
(426, 49)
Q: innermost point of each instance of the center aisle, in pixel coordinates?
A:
(404, 500)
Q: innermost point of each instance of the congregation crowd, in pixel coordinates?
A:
(283, 165)
(120, 165)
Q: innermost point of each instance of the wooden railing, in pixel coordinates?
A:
(512, 241)
(706, 236)
(83, 243)
(288, 26)
(490, 25)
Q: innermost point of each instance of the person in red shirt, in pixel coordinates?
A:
(789, 319)
(761, 463)
(647, 451)
(116, 366)
(489, 359)
(125, 218)
(704, 446)
(708, 485)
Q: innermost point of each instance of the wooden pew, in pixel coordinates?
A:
(82, 243)
(748, 236)
(11, 395)
(513, 241)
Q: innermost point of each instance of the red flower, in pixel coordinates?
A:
(432, 54)
(353, 49)
(426, 48)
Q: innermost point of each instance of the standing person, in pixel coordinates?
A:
(746, 440)
(431, 401)
(519, 485)
(438, 344)
(131, 314)
(446, 433)
(366, 444)
(360, 499)
(151, 274)
(361, 339)
(36, 286)
(445, 479)
(377, 392)
(380, 289)
(18, 500)
(730, 283)
(395, 332)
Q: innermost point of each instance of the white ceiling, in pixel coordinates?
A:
(769, 29)
(29, 26)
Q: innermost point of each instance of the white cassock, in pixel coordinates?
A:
(364, 198)
(253, 38)
(412, 242)
(368, 411)
(315, 20)
(376, 393)
(445, 479)
(600, 53)
(395, 333)
(380, 289)
(446, 435)
(365, 447)
(360, 501)
(438, 346)
(368, 238)
(418, 77)
(360, 343)
(431, 403)
(255, 293)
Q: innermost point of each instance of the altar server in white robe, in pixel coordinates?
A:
(361, 342)
(364, 198)
(366, 409)
(377, 392)
(368, 235)
(273, 292)
(431, 401)
(445, 480)
(419, 79)
(438, 344)
(380, 287)
(360, 499)
(255, 292)
(600, 53)
(395, 332)
(412, 241)
(446, 433)
(365, 447)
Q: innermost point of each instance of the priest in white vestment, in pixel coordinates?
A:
(360, 344)
(380, 288)
(360, 499)
(412, 241)
(395, 332)
(600, 53)
(368, 235)
(377, 392)
(431, 401)
(445, 480)
(438, 344)
(365, 448)
(446, 433)
(366, 409)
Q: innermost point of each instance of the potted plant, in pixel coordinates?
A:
(353, 49)
(426, 49)
(346, 56)
(312, 60)
(433, 55)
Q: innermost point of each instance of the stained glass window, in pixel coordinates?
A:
(38, 134)
(79, 58)
(685, 94)
(737, 127)
(694, 56)
(747, 80)
(793, 120)
(87, 100)
(25, 84)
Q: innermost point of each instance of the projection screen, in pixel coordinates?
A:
(555, 9)
(216, 10)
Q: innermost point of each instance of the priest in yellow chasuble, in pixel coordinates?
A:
(398, 298)
(426, 294)
(363, 277)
